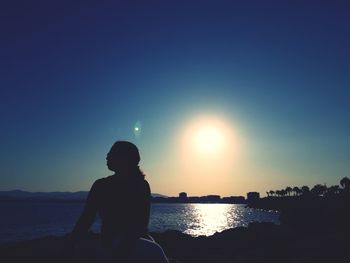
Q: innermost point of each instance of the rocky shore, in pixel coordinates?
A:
(259, 242)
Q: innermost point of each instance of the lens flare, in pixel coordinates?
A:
(137, 129)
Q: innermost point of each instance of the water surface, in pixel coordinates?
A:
(21, 221)
(205, 219)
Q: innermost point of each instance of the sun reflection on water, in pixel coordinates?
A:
(205, 219)
(210, 218)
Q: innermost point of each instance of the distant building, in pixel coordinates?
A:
(183, 198)
(194, 199)
(182, 195)
(213, 199)
(251, 196)
(234, 200)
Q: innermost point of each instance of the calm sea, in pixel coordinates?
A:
(22, 221)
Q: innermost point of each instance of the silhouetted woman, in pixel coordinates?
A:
(123, 203)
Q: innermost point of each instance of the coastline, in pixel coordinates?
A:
(259, 242)
(313, 228)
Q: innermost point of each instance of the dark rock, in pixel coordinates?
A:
(260, 242)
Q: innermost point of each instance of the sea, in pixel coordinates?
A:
(29, 220)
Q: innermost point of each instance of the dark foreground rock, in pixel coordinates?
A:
(260, 242)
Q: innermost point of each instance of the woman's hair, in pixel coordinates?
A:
(126, 151)
(139, 172)
(128, 157)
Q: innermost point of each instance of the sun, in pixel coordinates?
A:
(209, 139)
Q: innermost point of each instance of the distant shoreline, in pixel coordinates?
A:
(77, 197)
(44, 200)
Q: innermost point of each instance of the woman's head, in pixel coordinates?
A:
(123, 156)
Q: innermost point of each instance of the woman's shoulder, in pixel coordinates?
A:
(103, 181)
(114, 180)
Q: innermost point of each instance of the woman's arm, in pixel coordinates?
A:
(145, 207)
(89, 213)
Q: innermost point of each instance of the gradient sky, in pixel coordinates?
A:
(75, 77)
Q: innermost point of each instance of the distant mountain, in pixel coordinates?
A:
(24, 195)
(158, 195)
(19, 194)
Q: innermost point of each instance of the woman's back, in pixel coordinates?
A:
(123, 203)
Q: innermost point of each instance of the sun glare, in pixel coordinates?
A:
(208, 136)
(209, 145)
(209, 139)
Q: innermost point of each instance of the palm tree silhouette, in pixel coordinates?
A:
(319, 189)
(333, 190)
(345, 183)
(296, 190)
(305, 189)
(283, 192)
(288, 190)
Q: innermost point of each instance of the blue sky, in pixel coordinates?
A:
(75, 77)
